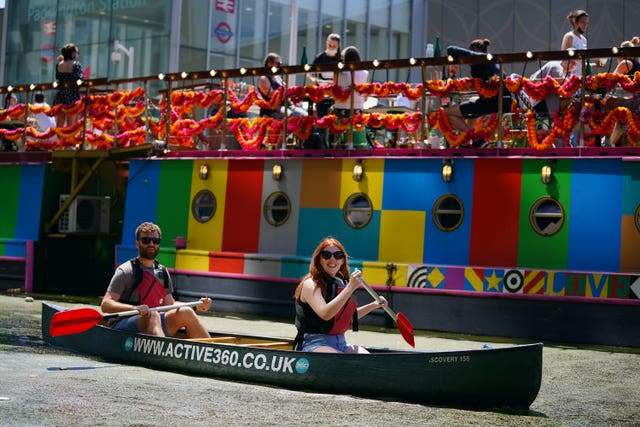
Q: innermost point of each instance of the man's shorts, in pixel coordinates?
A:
(130, 324)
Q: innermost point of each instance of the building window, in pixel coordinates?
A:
(357, 210)
(448, 212)
(203, 206)
(546, 216)
(277, 208)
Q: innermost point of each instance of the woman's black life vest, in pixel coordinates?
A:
(308, 322)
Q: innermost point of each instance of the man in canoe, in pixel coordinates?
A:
(325, 307)
(143, 283)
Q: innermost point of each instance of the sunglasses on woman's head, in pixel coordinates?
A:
(328, 254)
(147, 240)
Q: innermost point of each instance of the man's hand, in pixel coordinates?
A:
(143, 310)
(206, 304)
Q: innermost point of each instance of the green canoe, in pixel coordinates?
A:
(495, 377)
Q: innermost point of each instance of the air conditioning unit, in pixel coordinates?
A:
(87, 214)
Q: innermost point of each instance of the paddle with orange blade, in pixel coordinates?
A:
(404, 325)
(80, 320)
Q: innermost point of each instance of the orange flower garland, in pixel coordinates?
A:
(128, 108)
(301, 126)
(481, 130)
(15, 112)
(620, 115)
(562, 128)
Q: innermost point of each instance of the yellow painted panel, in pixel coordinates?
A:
(371, 183)
(375, 273)
(402, 236)
(208, 235)
(192, 260)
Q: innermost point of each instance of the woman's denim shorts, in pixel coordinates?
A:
(313, 341)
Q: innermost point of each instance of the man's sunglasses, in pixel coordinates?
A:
(328, 254)
(147, 240)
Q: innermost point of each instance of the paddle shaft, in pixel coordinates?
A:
(79, 320)
(163, 308)
(376, 297)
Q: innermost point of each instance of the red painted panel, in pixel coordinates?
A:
(226, 262)
(243, 206)
(496, 212)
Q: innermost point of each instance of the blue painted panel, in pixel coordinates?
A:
(406, 181)
(452, 247)
(596, 214)
(630, 187)
(316, 224)
(15, 247)
(142, 196)
(30, 205)
(295, 267)
(124, 253)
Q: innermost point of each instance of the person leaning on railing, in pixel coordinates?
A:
(477, 106)
(559, 70)
(627, 66)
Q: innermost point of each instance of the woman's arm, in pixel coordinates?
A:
(461, 51)
(567, 41)
(368, 308)
(312, 295)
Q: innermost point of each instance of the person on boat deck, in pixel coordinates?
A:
(559, 70)
(476, 106)
(627, 66)
(154, 289)
(325, 307)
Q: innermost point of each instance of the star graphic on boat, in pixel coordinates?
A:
(493, 282)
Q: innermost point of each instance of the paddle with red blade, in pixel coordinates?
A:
(404, 325)
(80, 320)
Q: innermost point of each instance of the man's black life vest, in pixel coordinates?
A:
(136, 267)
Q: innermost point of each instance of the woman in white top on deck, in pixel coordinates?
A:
(575, 39)
(343, 79)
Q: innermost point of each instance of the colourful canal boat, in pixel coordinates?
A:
(525, 238)
(507, 376)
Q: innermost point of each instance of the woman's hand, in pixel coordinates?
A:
(354, 280)
(382, 303)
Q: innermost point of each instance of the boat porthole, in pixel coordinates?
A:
(277, 208)
(546, 216)
(447, 212)
(637, 218)
(203, 206)
(358, 210)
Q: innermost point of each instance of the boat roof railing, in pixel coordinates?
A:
(205, 80)
(498, 58)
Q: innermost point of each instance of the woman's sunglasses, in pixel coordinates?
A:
(328, 254)
(147, 240)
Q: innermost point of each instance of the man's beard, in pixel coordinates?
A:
(580, 30)
(149, 252)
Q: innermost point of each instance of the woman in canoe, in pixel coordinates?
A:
(325, 307)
